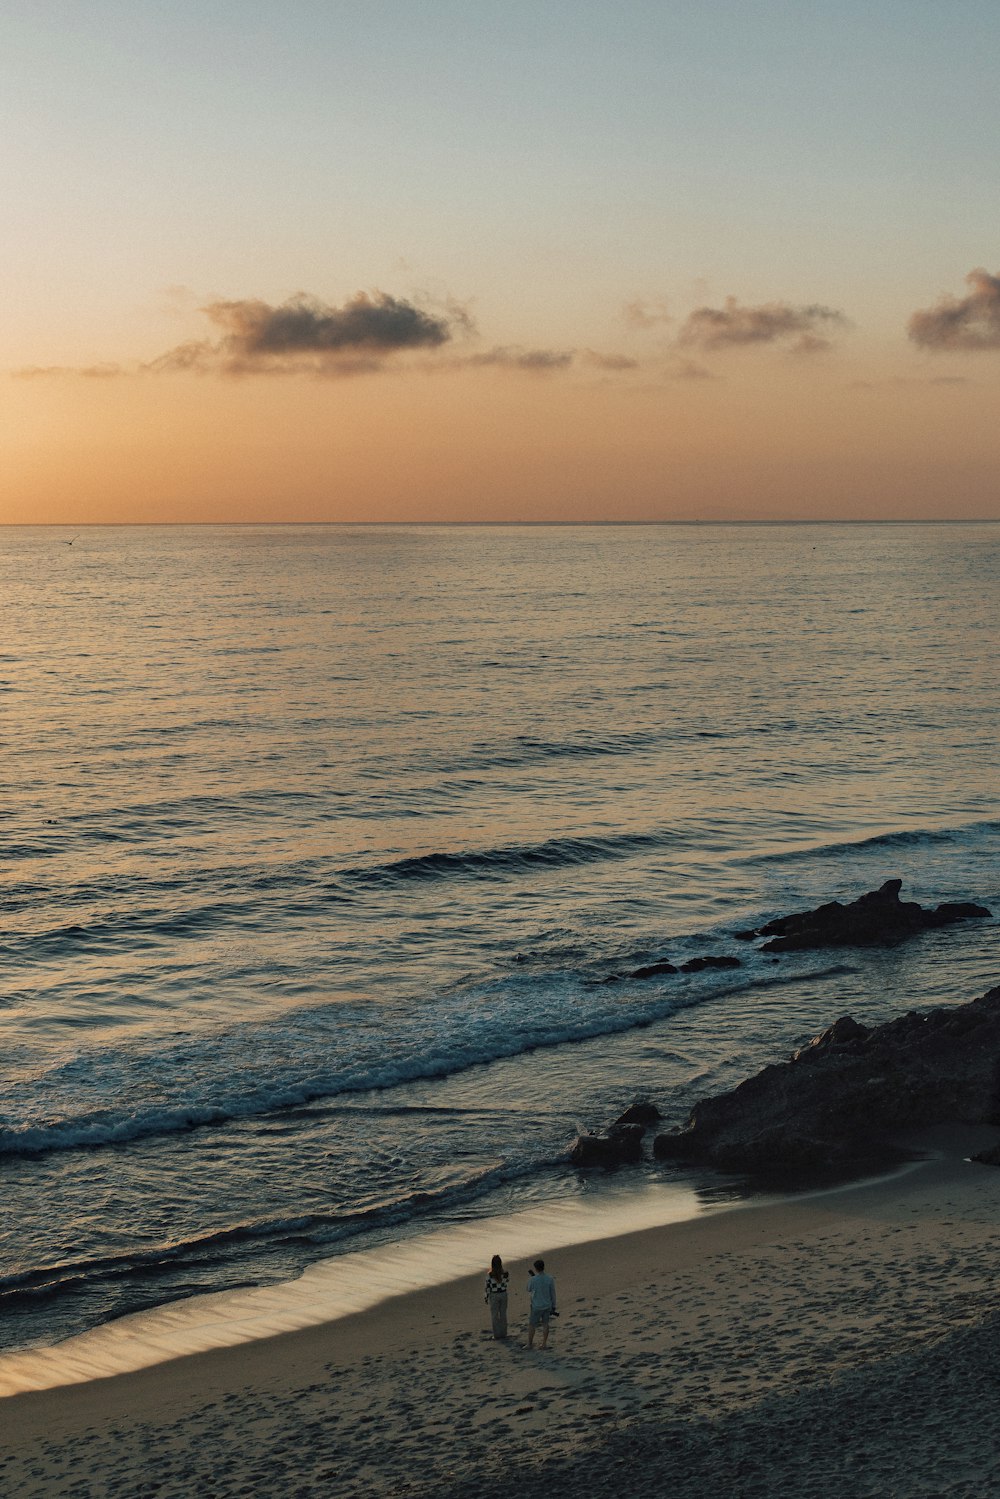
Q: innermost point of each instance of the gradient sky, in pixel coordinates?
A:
(429, 260)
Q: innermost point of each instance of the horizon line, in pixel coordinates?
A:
(970, 520)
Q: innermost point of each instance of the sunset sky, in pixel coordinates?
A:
(381, 260)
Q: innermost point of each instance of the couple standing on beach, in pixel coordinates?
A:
(542, 1294)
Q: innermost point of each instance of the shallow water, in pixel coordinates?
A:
(320, 844)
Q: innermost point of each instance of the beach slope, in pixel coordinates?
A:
(843, 1342)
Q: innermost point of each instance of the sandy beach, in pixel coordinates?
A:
(836, 1343)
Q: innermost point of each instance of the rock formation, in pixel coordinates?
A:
(693, 965)
(649, 971)
(879, 918)
(835, 1105)
(622, 1145)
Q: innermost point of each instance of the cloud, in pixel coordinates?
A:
(613, 362)
(689, 370)
(307, 334)
(200, 356)
(912, 382)
(540, 361)
(962, 323)
(300, 336)
(58, 371)
(644, 315)
(773, 322)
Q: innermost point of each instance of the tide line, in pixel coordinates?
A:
(341, 1287)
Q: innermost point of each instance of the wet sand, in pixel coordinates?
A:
(844, 1343)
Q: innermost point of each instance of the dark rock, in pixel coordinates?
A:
(695, 965)
(641, 1112)
(843, 1032)
(833, 1107)
(954, 910)
(989, 1157)
(878, 918)
(620, 1147)
(627, 1140)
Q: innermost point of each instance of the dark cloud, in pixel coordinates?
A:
(300, 336)
(962, 323)
(805, 328)
(306, 334)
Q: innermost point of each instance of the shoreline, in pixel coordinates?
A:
(347, 1285)
(665, 1333)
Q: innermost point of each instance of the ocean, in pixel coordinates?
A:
(325, 850)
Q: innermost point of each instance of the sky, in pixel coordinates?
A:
(432, 260)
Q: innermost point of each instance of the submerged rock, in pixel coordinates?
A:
(695, 965)
(652, 970)
(621, 1146)
(878, 918)
(834, 1106)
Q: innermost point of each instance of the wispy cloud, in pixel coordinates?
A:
(911, 382)
(805, 329)
(539, 361)
(613, 363)
(107, 371)
(962, 323)
(643, 315)
(690, 370)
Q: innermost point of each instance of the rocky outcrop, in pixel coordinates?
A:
(649, 971)
(693, 965)
(833, 1108)
(622, 1145)
(877, 919)
(617, 1148)
(641, 1112)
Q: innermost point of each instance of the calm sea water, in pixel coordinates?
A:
(319, 844)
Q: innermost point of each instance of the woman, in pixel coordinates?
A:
(496, 1296)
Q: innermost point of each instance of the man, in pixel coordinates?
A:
(542, 1291)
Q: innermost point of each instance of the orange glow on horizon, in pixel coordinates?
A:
(493, 445)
